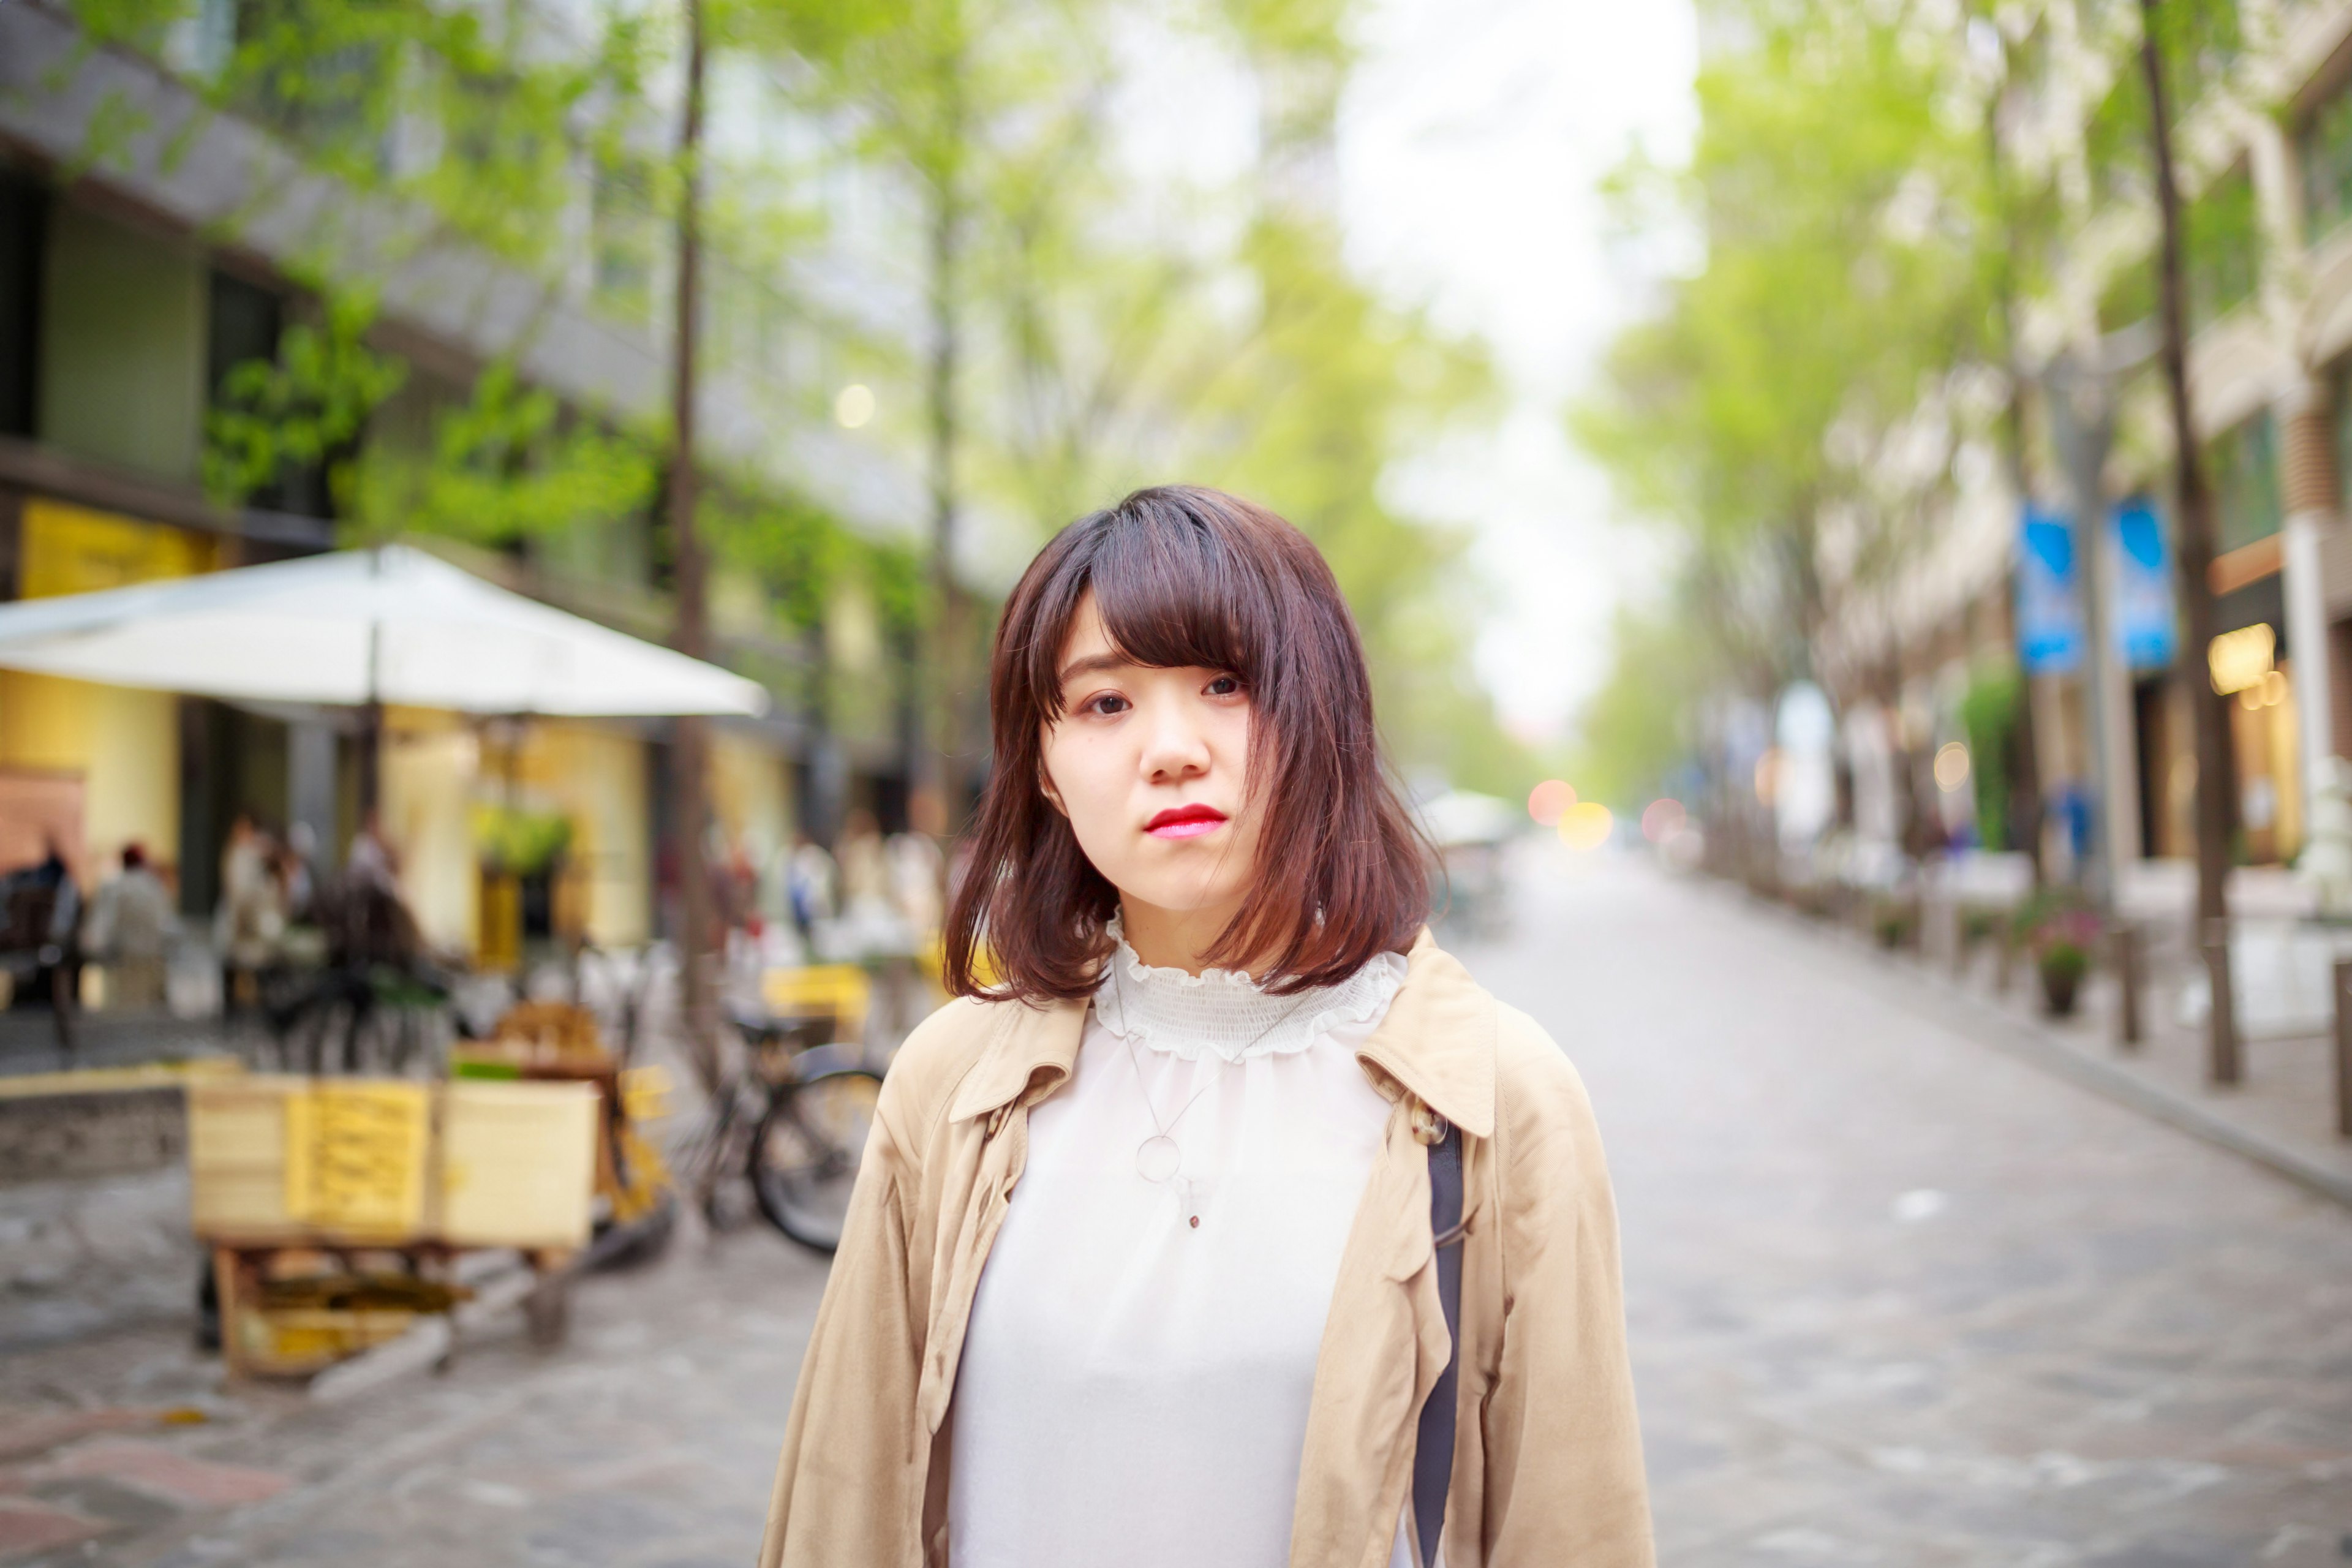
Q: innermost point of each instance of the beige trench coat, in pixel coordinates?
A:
(1548, 1459)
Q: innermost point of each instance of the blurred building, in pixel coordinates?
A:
(2263, 110)
(154, 239)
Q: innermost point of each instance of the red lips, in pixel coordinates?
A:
(1184, 822)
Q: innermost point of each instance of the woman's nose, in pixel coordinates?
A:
(1174, 747)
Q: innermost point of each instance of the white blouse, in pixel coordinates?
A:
(1135, 1380)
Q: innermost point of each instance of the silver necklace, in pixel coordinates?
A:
(1159, 1159)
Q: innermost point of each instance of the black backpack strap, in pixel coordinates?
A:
(1433, 1454)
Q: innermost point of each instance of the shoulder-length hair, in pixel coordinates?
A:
(1185, 576)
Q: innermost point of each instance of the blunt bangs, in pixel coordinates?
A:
(1186, 576)
(1171, 599)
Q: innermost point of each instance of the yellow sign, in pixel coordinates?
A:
(69, 549)
(355, 1157)
(2241, 658)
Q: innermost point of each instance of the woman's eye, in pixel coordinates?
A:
(1107, 704)
(1225, 686)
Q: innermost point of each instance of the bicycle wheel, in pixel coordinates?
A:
(805, 1154)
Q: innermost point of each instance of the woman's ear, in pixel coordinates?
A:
(1052, 795)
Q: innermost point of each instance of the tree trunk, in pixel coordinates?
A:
(691, 743)
(2194, 546)
(937, 805)
(2023, 759)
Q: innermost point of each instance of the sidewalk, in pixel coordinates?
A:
(28, 1040)
(2280, 1115)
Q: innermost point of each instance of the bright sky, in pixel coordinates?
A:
(1471, 143)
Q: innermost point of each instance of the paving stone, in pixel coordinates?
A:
(27, 1433)
(172, 1476)
(27, 1527)
(110, 1502)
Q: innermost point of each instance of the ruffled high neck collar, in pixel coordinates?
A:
(1221, 1012)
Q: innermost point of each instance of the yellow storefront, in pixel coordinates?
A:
(119, 746)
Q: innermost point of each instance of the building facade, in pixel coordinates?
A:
(2263, 103)
(153, 241)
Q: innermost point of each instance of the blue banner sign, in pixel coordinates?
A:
(2049, 608)
(2147, 628)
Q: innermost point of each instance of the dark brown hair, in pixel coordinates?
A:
(1184, 576)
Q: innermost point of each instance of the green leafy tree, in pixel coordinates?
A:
(1853, 254)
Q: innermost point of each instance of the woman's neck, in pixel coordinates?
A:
(1173, 939)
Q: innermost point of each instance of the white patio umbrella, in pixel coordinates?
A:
(388, 625)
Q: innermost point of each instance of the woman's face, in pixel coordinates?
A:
(1149, 767)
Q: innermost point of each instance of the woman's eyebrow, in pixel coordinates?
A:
(1093, 664)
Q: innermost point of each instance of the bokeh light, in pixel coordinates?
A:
(1585, 825)
(1547, 800)
(1951, 767)
(855, 406)
(1660, 819)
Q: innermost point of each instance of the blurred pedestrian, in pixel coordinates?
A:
(130, 930)
(916, 875)
(372, 859)
(870, 926)
(297, 871)
(1141, 1269)
(43, 920)
(810, 880)
(251, 916)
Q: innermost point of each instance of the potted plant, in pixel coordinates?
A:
(2061, 929)
(522, 853)
(1893, 921)
(2062, 964)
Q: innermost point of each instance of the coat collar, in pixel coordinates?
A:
(1437, 1042)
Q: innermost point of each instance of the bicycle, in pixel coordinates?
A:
(381, 1017)
(793, 1121)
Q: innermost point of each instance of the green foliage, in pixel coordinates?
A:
(2221, 243)
(2116, 141)
(303, 410)
(2201, 41)
(1097, 345)
(1635, 729)
(1990, 710)
(520, 842)
(1856, 250)
(505, 466)
(1843, 210)
(2062, 962)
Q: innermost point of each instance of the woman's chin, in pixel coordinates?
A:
(1180, 898)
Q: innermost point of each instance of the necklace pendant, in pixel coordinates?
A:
(1157, 1158)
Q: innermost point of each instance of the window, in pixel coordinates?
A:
(2339, 431)
(2246, 483)
(2323, 148)
(23, 220)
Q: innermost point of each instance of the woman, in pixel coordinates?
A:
(1140, 1270)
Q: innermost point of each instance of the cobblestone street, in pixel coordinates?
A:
(1897, 1298)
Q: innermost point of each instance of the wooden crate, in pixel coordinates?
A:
(355, 1157)
(274, 1157)
(516, 1163)
(472, 1164)
(289, 1342)
(236, 1156)
(296, 1341)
